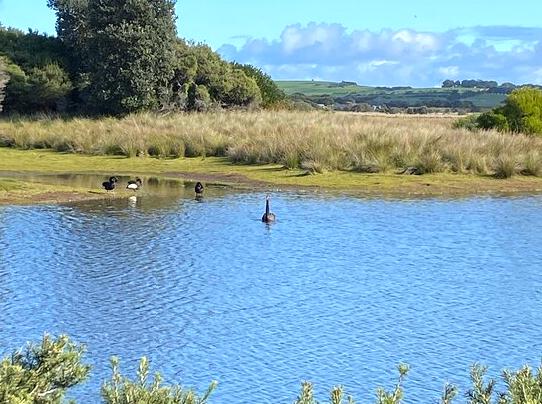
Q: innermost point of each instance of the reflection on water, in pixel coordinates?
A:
(338, 291)
(151, 185)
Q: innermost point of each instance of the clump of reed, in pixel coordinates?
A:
(314, 141)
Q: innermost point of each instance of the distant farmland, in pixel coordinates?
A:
(346, 95)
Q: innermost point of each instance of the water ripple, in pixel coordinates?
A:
(338, 291)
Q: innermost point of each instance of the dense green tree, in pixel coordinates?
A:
(72, 24)
(239, 89)
(18, 89)
(41, 373)
(36, 66)
(508, 85)
(49, 87)
(41, 89)
(523, 110)
(31, 49)
(271, 94)
(198, 98)
(479, 84)
(72, 30)
(225, 84)
(186, 64)
(118, 56)
(131, 53)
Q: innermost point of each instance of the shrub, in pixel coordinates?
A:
(505, 166)
(395, 396)
(522, 386)
(272, 96)
(198, 98)
(306, 396)
(469, 122)
(492, 120)
(121, 390)
(42, 373)
(523, 110)
(532, 164)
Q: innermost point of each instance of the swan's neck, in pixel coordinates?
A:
(267, 207)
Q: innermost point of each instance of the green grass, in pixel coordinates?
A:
(412, 96)
(317, 141)
(333, 88)
(486, 100)
(22, 191)
(220, 170)
(320, 88)
(345, 151)
(10, 185)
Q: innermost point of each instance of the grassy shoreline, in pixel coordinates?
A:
(317, 142)
(336, 152)
(221, 170)
(14, 191)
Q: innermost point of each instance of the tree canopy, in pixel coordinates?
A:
(521, 112)
(37, 70)
(271, 94)
(115, 57)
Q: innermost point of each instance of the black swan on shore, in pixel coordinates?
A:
(110, 185)
(268, 217)
(198, 189)
(134, 185)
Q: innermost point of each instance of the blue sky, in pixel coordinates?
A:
(408, 42)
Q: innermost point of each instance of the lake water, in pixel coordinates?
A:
(338, 291)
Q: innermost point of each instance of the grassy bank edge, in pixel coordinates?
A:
(220, 170)
(14, 191)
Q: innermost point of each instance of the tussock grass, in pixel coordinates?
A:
(315, 141)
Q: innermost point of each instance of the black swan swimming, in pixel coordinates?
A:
(198, 188)
(268, 217)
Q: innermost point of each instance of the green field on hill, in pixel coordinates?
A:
(332, 93)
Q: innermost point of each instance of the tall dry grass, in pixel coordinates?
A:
(316, 141)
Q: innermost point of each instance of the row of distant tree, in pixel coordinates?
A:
(490, 85)
(112, 57)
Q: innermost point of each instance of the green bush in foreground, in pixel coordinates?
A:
(121, 390)
(41, 374)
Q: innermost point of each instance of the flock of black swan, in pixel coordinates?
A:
(134, 185)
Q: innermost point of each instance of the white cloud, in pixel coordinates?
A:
(537, 77)
(397, 57)
(419, 40)
(449, 71)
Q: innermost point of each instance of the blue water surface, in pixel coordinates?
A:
(338, 291)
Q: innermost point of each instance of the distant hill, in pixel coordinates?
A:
(351, 96)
